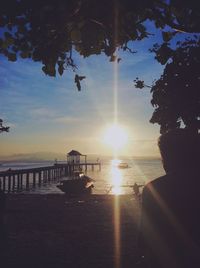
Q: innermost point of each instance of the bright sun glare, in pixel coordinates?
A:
(115, 136)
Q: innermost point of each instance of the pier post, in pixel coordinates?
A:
(4, 183)
(34, 179)
(70, 170)
(40, 178)
(48, 175)
(18, 181)
(44, 176)
(27, 181)
(65, 171)
(21, 180)
(9, 182)
(13, 183)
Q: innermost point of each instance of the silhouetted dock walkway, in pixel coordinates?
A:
(25, 179)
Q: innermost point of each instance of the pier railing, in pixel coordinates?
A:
(26, 179)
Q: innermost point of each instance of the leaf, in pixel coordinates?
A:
(139, 83)
(12, 57)
(44, 69)
(75, 35)
(7, 35)
(77, 80)
(9, 27)
(167, 36)
(24, 54)
(51, 71)
(60, 69)
(163, 53)
(141, 28)
(113, 58)
(82, 77)
(3, 128)
(4, 44)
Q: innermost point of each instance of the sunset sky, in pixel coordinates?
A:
(48, 114)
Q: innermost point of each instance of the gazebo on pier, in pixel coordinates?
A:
(74, 157)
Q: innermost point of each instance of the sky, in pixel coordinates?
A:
(49, 114)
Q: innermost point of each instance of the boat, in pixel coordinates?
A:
(122, 165)
(80, 184)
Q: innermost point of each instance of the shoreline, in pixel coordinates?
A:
(54, 230)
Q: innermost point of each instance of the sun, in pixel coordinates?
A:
(115, 136)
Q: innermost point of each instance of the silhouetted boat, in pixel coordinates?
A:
(122, 165)
(80, 184)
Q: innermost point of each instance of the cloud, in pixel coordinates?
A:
(43, 112)
(66, 119)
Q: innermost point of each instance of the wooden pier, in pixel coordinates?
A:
(26, 179)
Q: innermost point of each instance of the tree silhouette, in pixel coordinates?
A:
(2, 128)
(49, 31)
(176, 95)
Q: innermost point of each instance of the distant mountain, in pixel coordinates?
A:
(51, 156)
(38, 156)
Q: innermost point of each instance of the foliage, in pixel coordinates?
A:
(2, 128)
(176, 95)
(77, 80)
(49, 31)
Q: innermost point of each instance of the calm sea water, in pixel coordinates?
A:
(110, 180)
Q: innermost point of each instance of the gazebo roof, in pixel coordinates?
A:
(73, 152)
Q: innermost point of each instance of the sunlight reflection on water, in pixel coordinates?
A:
(116, 178)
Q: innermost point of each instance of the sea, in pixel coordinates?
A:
(109, 180)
